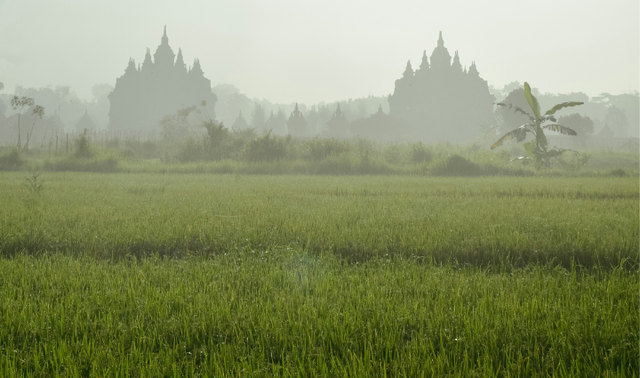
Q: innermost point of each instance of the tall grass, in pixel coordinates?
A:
(288, 313)
(482, 222)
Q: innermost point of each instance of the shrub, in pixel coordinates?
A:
(319, 149)
(83, 146)
(190, 151)
(420, 153)
(266, 148)
(618, 173)
(108, 165)
(456, 165)
(11, 161)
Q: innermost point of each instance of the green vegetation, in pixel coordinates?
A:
(537, 147)
(282, 313)
(253, 275)
(269, 154)
(484, 221)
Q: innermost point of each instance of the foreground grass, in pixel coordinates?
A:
(482, 221)
(288, 313)
(229, 275)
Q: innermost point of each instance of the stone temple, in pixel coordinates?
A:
(441, 100)
(147, 93)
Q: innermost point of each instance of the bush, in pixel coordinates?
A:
(456, 165)
(83, 146)
(319, 149)
(108, 165)
(420, 153)
(11, 161)
(266, 148)
(618, 173)
(216, 141)
(190, 151)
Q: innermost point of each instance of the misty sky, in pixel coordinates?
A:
(311, 51)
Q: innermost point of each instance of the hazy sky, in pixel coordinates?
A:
(311, 51)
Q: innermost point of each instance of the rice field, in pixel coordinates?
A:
(233, 275)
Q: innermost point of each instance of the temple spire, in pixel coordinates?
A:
(147, 64)
(456, 62)
(165, 39)
(131, 67)
(408, 72)
(196, 69)
(180, 62)
(164, 56)
(424, 65)
(440, 58)
(473, 70)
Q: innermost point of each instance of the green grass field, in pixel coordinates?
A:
(234, 275)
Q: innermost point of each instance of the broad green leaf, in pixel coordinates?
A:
(563, 105)
(517, 109)
(518, 134)
(532, 100)
(560, 129)
(555, 152)
(530, 147)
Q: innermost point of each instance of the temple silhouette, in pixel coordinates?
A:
(147, 93)
(441, 100)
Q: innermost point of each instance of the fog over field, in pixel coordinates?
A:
(288, 51)
(326, 188)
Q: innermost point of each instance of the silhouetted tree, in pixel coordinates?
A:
(617, 121)
(258, 117)
(19, 103)
(507, 118)
(583, 125)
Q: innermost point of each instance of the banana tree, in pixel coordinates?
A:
(536, 126)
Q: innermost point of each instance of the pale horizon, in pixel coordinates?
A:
(323, 51)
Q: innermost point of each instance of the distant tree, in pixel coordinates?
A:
(583, 125)
(535, 126)
(281, 123)
(101, 90)
(216, 139)
(19, 103)
(630, 103)
(37, 112)
(258, 117)
(508, 119)
(3, 107)
(617, 121)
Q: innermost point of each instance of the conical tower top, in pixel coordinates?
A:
(408, 72)
(165, 39)
(424, 65)
(440, 57)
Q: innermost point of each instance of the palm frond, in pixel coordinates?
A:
(560, 129)
(518, 134)
(532, 100)
(516, 108)
(563, 105)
